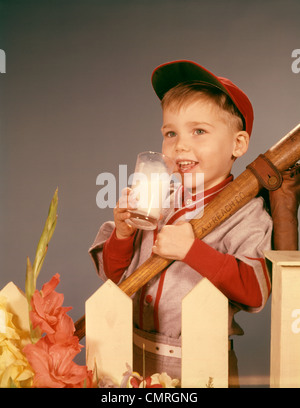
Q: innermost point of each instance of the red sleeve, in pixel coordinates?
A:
(117, 254)
(231, 276)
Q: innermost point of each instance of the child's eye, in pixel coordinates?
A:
(170, 134)
(199, 131)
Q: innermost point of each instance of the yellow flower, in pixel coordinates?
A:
(158, 380)
(7, 328)
(164, 380)
(137, 379)
(14, 367)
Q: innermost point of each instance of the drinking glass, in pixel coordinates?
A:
(150, 189)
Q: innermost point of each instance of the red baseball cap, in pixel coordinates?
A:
(168, 75)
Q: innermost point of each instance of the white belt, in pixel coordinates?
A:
(156, 348)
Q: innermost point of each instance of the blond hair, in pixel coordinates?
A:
(189, 92)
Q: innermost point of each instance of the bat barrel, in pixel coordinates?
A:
(286, 152)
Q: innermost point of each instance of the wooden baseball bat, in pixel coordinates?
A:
(246, 186)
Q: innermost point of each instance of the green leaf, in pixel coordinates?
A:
(32, 271)
(29, 282)
(45, 237)
(11, 383)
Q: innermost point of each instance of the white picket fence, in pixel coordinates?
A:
(285, 319)
(109, 328)
(204, 329)
(109, 334)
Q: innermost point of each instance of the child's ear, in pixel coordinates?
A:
(241, 143)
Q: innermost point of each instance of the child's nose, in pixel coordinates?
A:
(182, 145)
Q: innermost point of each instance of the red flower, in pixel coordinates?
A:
(52, 356)
(54, 366)
(137, 383)
(47, 311)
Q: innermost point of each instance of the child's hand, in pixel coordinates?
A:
(174, 241)
(121, 213)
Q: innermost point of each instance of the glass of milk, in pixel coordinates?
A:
(150, 189)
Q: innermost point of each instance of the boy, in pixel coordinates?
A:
(207, 122)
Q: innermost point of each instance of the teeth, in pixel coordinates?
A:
(185, 163)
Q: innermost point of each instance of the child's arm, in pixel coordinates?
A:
(233, 277)
(112, 249)
(239, 271)
(117, 255)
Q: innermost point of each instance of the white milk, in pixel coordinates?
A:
(150, 187)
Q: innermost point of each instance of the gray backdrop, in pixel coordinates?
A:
(76, 101)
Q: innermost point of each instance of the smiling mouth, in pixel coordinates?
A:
(186, 165)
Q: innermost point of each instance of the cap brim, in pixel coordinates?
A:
(168, 75)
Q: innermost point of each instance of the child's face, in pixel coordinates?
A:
(202, 138)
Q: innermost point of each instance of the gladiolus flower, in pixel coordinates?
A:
(52, 356)
(14, 367)
(47, 312)
(54, 366)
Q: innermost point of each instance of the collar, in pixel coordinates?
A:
(192, 205)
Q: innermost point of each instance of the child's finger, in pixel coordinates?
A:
(123, 203)
(127, 202)
(126, 191)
